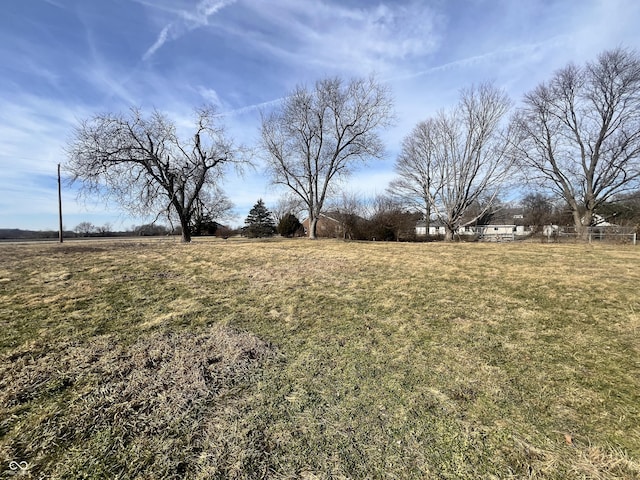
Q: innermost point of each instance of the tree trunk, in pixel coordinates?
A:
(448, 234)
(313, 223)
(582, 223)
(186, 231)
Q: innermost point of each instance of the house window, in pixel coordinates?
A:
(496, 229)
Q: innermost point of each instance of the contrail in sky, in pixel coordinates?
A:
(188, 21)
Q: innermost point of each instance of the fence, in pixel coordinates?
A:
(496, 237)
(596, 234)
(620, 237)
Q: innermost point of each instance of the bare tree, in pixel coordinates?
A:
(85, 229)
(105, 229)
(389, 220)
(142, 163)
(623, 210)
(286, 205)
(348, 208)
(211, 207)
(538, 210)
(415, 167)
(450, 162)
(580, 132)
(317, 135)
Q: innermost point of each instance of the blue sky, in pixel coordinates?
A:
(64, 60)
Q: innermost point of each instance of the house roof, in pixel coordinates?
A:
(337, 217)
(438, 224)
(432, 223)
(502, 216)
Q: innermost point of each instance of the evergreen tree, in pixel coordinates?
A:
(289, 225)
(259, 222)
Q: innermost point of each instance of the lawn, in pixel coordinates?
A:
(317, 360)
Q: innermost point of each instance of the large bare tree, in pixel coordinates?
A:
(142, 163)
(415, 169)
(580, 132)
(451, 161)
(317, 135)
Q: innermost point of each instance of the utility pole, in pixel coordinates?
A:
(59, 206)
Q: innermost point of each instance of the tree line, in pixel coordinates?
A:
(348, 217)
(574, 140)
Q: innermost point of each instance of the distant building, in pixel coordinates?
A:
(504, 224)
(330, 225)
(335, 225)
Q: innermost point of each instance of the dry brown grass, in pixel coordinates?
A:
(132, 359)
(160, 407)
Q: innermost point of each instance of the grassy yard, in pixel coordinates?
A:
(313, 360)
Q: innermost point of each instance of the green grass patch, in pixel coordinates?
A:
(299, 359)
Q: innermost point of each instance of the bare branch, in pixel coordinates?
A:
(579, 133)
(318, 134)
(141, 163)
(450, 161)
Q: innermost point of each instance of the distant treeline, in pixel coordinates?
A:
(86, 229)
(18, 234)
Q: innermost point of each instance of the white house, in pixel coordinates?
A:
(489, 230)
(436, 228)
(497, 231)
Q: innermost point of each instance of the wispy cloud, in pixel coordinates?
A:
(205, 9)
(104, 79)
(43, 125)
(331, 36)
(187, 21)
(210, 96)
(160, 41)
(502, 54)
(253, 108)
(328, 37)
(54, 3)
(33, 131)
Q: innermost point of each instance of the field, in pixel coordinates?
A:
(316, 360)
